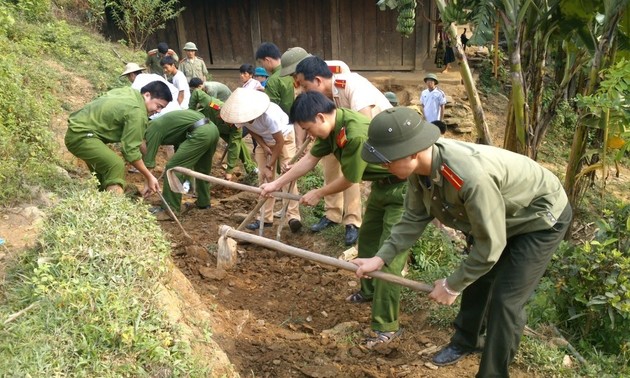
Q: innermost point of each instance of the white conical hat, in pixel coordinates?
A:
(244, 105)
(132, 67)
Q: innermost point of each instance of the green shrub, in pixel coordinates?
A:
(313, 180)
(589, 287)
(94, 280)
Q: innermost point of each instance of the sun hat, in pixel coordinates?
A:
(244, 105)
(132, 67)
(190, 46)
(392, 98)
(396, 133)
(260, 71)
(431, 76)
(290, 60)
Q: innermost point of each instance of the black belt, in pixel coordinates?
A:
(199, 123)
(390, 180)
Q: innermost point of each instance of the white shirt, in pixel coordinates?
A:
(355, 92)
(179, 81)
(253, 84)
(432, 102)
(270, 122)
(143, 79)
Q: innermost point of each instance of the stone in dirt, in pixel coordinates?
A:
(198, 252)
(341, 330)
(320, 371)
(212, 273)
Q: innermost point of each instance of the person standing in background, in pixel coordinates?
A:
(192, 65)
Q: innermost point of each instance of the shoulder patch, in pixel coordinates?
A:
(340, 83)
(451, 177)
(214, 105)
(335, 69)
(341, 138)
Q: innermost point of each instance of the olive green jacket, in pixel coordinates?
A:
(280, 90)
(487, 192)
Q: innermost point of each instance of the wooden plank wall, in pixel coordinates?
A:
(228, 32)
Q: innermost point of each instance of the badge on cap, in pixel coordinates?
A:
(451, 177)
(341, 138)
(340, 83)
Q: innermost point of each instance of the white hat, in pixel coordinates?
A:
(132, 67)
(244, 105)
(190, 46)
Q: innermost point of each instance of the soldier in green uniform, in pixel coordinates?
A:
(195, 139)
(232, 135)
(192, 65)
(279, 88)
(515, 210)
(154, 57)
(342, 132)
(120, 115)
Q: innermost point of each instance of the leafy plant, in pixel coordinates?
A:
(139, 19)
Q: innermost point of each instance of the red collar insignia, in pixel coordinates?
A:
(340, 83)
(341, 138)
(214, 105)
(335, 69)
(451, 177)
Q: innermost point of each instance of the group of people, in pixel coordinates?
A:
(514, 211)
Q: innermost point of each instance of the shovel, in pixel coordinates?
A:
(226, 257)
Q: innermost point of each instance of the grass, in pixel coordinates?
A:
(93, 281)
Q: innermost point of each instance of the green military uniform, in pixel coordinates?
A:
(152, 63)
(280, 90)
(517, 213)
(195, 142)
(384, 208)
(217, 90)
(233, 136)
(193, 68)
(120, 115)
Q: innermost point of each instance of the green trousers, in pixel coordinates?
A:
(106, 164)
(495, 303)
(237, 149)
(194, 153)
(384, 208)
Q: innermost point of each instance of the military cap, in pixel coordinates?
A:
(290, 60)
(431, 76)
(396, 133)
(392, 98)
(190, 46)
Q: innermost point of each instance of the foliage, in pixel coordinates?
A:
(33, 10)
(313, 180)
(94, 281)
(487, 82)
(139, 19)
(587, 287)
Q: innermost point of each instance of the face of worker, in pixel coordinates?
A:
(266, 63)
(402, 168)
(154, 105)
(245, 76)
(169, 69)
(430, 84)
(319, 128)
(190, 54)
(316, 85)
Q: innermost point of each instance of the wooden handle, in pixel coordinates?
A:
(228, 231)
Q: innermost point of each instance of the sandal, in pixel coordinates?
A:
(358, 297)
(382, 338)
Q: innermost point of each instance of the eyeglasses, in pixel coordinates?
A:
(375, 152)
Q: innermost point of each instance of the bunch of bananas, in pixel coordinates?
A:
(406, 17)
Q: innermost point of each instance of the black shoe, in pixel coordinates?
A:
(322, 224)
(255, 225)
(352, 234)
(295, 225)
(451, 354)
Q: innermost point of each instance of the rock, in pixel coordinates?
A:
(340, 330)
(238, 217)
(320, 371)
(429, 350)
(212, 273)
(567, 362)
(558, 341)
(430, 366)
(352, 283)
(356, 352)
(32, 213)
(198, 252)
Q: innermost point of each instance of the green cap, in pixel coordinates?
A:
(190, 46)
(290, 60)
(396, 133)
(392, 98)
(431, 77)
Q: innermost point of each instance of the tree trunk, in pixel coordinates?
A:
(483, 132)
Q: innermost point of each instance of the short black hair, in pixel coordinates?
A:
(313, 66)
(441, 125)
(162, 47)
(247, 68)
(308, 104)
(195, 82)
(268, 50)
(168, 60)
(159, 90)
